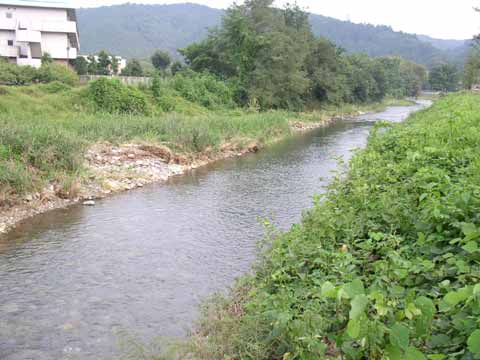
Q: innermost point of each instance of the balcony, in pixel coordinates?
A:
(8, 51)
(28, 36)
(62, 53)
(57, 27)
(8, 24)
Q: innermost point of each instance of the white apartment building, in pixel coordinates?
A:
(31, 28)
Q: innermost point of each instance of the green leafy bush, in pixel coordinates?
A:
(55, 72)
(111, 96)
(203, 89)
(386, 266)
(11, 74)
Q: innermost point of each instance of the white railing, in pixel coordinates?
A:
(62, 53)
(28, 36)
(8, 24)
(8, 51)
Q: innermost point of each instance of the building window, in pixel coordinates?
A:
(9, 15)
(10, 42)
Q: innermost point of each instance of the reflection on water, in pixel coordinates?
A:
(141, 261)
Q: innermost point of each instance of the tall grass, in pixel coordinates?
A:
(45, 129)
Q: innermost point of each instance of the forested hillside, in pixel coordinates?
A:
(137, 30)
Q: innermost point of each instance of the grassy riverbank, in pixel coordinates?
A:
(46, 129)
(385, 266)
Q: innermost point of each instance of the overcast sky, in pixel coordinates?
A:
(446, 19)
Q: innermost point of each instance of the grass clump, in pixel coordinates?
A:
(386, 266)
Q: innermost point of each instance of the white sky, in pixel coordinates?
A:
(445, 19)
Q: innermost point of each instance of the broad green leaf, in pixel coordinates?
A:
(328, 290)
(470, 247)
(473, 343)
(414, 354)
(455, 297)
(354, 288)
(436, 357)
(393, 353)
(439, 340)
(399, 336)
(476, 290)
(353, 329)
(359, 303)
(470, 231)
(424, 320)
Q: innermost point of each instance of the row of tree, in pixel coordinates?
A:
(271, 57)
(105, 63)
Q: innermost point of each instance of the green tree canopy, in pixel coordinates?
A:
(161, 60)
(444, 77)
(81, 65)
(133, 68)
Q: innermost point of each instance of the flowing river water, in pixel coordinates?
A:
(72, 281)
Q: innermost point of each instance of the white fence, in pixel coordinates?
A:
(127, 80)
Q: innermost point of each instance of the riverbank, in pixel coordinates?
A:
(55, 152)
(386, 266)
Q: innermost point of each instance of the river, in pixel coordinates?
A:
(73, 281)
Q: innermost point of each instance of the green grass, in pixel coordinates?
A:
(385, 266)
(45, 130)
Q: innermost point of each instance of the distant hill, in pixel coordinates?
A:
(444, 44)
(133, 30)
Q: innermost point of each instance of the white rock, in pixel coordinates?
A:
(89, 203)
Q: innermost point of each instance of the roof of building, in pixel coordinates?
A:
(37, 3)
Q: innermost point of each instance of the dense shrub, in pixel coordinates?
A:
(203, 89)
(55, 72)
(110, 95)
(386, 266)
(11, 74)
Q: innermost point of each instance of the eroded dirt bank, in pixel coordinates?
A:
(115, 168)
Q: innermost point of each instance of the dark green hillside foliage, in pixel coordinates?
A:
(133, 30)
(271, 58)
(385, 266)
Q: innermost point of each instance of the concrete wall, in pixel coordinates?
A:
(55, 44)
(33, 14)
(127, 80)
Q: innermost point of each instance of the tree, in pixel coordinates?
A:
(176, 67)
(92, 65)
(115, 65)
(444, 77)
(161, 60)
(133, 68)
(46, 59)
(80, 65)
(104, 63)
(261, 50)
(471, 74)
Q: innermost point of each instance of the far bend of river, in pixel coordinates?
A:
(72, 280)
